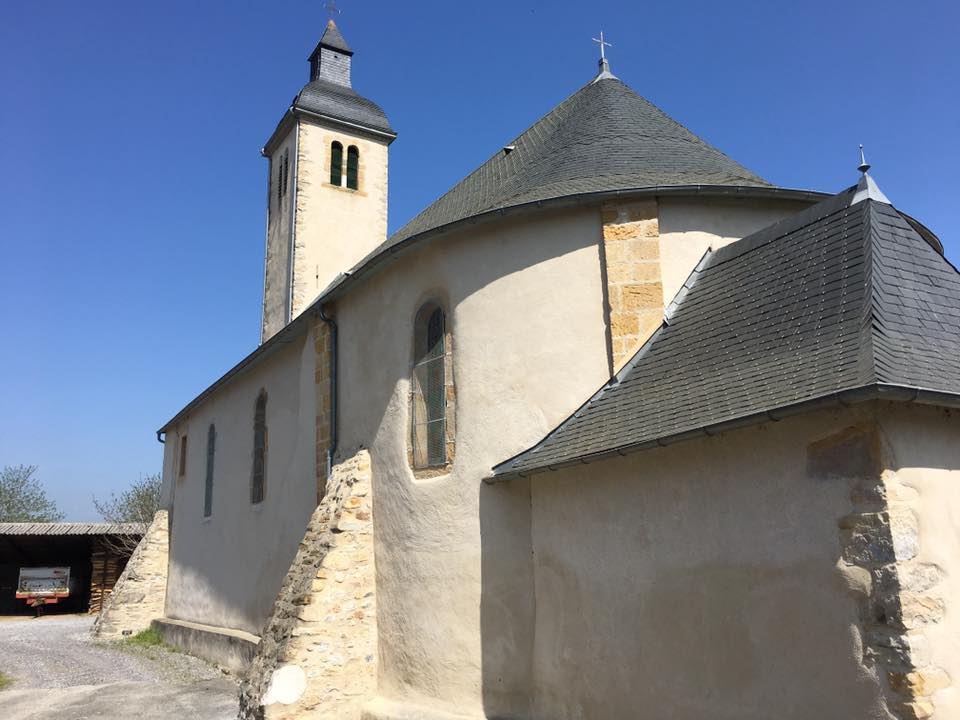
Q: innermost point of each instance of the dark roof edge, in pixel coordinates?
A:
(285, 336)
(371, 263)
(293, 112)
(842, 398)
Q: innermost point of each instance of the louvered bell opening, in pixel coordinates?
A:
(429, 406)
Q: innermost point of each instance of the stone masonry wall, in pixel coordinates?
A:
(631, 253)
(317, 653)
(140, 593)
(896, 593)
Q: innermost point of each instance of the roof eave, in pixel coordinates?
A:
(843, 398)
(293, 112)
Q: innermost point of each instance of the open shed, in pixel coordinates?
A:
(96, 554)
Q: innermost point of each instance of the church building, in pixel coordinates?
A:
(615, 428)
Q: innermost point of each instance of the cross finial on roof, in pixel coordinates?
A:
(604, 64)
(864, 165)
(332, 8)
(603, 43)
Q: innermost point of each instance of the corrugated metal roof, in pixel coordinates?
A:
(840, 298)
(72, 528)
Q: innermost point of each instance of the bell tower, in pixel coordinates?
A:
(327, 185)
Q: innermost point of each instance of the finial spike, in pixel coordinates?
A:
(864, 165)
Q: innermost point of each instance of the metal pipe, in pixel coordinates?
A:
(332, 324)
(161, 440)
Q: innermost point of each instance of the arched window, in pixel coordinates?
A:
(259, 449)
(431, 436)
(336, 164)
(353, 167)
(208, 484)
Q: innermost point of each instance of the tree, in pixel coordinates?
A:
(23, 499)
(137, 504)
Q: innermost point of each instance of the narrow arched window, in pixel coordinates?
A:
(353, 167)
(336, 164)
(286, 170)
(208, 483)
(431, 437)
(258, 480)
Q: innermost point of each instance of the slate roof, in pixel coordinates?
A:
(342, 103)
(604, 137)
(333, 39)
(840, 298)
(72, 528)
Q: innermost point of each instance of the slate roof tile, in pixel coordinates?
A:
(603, 137)
(838, 297)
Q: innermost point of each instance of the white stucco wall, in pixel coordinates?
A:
(524, 302)
(698, 580)
(335, 227)
(689, 226)
(276, 271)
(924, 445)
(225, 570)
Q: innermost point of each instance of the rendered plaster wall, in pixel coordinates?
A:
(335, 227)
(923, 447)
(276, 267)
(225, 570)
(524, 306)
(703, 579)
(689, 226)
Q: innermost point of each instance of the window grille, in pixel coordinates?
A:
(208, 484)
(259, 449)
(429, 392)
(336, 164)
(353, 167)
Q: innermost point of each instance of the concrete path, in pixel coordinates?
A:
(60, 673)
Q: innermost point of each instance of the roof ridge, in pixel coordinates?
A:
(867, 365)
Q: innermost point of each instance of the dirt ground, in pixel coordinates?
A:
(58, 671)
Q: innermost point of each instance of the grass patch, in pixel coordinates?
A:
(145, 638)
(5, 681)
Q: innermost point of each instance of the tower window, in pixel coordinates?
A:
(336, 164)
(208, 484)
(258, 478)
(353, 166)
(431, 437)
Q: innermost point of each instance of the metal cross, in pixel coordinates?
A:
(332, 8)
(602, 42)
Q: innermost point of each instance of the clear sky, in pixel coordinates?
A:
(132, 190)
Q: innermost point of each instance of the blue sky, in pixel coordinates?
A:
(132, 189)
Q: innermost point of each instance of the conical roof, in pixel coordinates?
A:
(604, 137)
(845, 300)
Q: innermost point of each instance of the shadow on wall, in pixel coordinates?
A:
(507, 602)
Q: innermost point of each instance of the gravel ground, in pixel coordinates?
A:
(58, 671)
